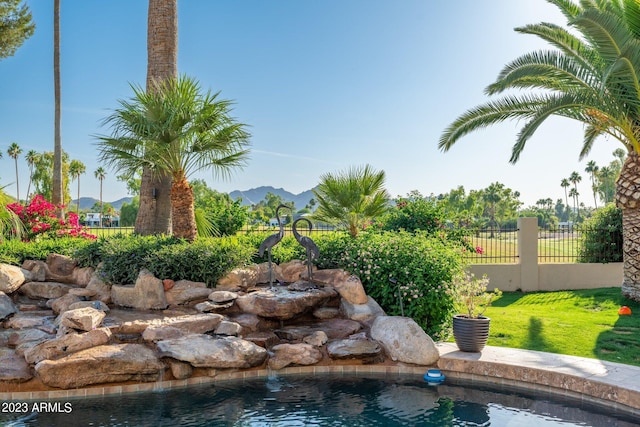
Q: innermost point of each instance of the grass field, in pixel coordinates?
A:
(580, 323)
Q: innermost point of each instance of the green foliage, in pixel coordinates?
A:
(227, 216)
(351, 198)
(412, 213)
(16, 252)
(129, 211)
(123, 256)
(423, 267)
(16, 26)
(602, 236)
(205, 260)
(470, 294)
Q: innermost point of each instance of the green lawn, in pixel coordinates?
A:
(580, 323)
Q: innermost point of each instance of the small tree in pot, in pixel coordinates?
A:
(470, 327)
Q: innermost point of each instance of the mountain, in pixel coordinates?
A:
(88, 202)
(255, 195)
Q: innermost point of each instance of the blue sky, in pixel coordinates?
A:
(324, 85)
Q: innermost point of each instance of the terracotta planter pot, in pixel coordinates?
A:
(471, 335)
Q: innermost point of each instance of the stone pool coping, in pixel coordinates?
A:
(605, 383)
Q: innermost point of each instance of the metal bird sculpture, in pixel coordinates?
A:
(273, 240)
(305, 241)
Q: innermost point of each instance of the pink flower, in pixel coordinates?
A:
(479, 250)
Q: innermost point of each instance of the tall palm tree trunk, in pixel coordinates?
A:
(628, 199)
(154, 214)
(182, 203)
(56, 193)
(17, 181)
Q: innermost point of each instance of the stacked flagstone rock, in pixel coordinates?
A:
(63, 327)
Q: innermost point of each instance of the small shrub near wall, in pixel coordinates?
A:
(602, 236)
(423, 267)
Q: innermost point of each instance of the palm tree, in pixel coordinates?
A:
(592, 169)
(101, 174)
(154, 214)
(31, 157)
(175, 131)
(77, 168)
(590, 76)
(13, 152)
(492, 195)
(573, 193)
(564, 184)
(351, 198)
(57, 193)
(575, 178)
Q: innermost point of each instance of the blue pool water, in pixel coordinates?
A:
(324, 401)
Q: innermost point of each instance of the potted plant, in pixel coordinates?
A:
(470, 327)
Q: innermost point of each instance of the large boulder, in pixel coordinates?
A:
(13, 367)
(175, 327)
(147, 293)
(205, 351)
(62, 304)
(243, 278)
(7, 307)
(404, 340)
(354, 349)
(292, 270)
(361, 312)
(348, 285)
(101, 364)
(83, 319)
(186, 291)
(67, 344)
(334, 329)
(12, 277)
(45, 290)
(189, 322)
(103, 290)
(298, 354)
(283, 304)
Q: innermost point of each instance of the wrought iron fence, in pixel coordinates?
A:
(497, 245)
(555, 245)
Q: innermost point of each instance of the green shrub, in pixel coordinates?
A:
(123, 256)
(423, 267)
(16, 252)
(602, 236)
(205, 260)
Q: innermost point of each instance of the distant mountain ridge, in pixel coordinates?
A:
(255, 195)
(89, 202)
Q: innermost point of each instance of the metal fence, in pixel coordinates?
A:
(555, 245)
(497, 245)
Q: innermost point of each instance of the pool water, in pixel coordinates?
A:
(325, 401)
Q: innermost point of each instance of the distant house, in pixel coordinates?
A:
(92, 219)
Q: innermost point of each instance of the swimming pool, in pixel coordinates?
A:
(327, 400)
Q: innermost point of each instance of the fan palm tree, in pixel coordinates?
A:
(175, 131)
(101, 174)
(154, 214)
(351, 198)
(590, 75)
(77, 168)
(592, 169)
(14, 151)
(565, 184)
(32, 158)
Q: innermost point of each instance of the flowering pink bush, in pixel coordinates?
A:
(40, 220)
